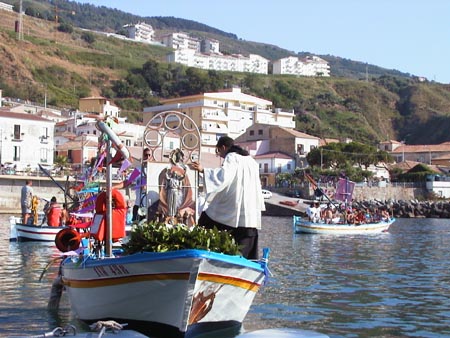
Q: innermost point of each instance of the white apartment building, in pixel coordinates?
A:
(309, 66)
(210, 46)
(26, 140)
(180, 41)
(227, 112)
(234, 63)
(6, 7)
(140, 32)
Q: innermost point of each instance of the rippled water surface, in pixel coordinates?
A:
(393, 284)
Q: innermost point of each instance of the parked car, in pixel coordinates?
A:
(266, 193)
(294, 193)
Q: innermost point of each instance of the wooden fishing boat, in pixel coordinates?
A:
(179, 293)
(31, 232)
(339, 224)
(303, 225)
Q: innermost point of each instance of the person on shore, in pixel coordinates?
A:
(237, 201)
(54, 213)
(26, 196)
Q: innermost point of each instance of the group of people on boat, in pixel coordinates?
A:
(330, 214)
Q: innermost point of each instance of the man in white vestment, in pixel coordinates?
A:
(237, 201)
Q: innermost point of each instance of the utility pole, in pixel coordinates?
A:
(20, 28)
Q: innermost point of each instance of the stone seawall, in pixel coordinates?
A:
(43, 187)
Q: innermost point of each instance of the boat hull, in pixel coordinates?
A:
(183, 290)
(30, 232)
(303, 226)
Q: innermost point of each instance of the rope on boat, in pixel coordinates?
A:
(102, 326)
(69, 330)
(59, 332)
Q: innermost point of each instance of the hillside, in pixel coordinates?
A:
(76, 64)
(101, 18)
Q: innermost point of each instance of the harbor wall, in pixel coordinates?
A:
(44, 187)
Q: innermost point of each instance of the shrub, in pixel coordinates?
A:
(159, 237)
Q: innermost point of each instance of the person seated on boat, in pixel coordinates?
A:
(360, 217)
(327, 214)
(54, 213)
(385, 215)
(351, 213)
(313, 212)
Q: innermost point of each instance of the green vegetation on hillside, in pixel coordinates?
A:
(67, 64)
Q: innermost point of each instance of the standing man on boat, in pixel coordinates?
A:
(139, 185)
(26, 196)
(237, 201)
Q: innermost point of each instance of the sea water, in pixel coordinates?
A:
(393, 284)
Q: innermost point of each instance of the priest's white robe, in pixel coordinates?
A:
(237, 199)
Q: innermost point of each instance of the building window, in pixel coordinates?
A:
(266, 167)
(16, 156)
(45, 132)
(44, 158)
(279, 168)
(128, 143)
(288, 166)
(16, 132)
(260, 132)
(252, 132)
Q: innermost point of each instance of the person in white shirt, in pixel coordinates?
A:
(237, 201)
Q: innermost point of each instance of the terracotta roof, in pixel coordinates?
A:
(297, 133)
(22, 116)
(275, 154)
(423, 148)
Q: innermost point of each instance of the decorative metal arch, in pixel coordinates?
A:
(169, 130)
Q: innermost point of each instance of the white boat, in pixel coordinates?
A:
(303, 225)
(31, 232)
(177, 293)
(338, 223)
(180, 292)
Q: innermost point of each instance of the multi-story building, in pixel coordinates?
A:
(26, 140)
(140, 32)
(227, 112)
(423, 153)
(210, 46)
(263, 138)
(99, 105)
(180, 41)
(234, 63)
(309, 66)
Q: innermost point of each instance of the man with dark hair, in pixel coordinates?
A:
(139, 186)
(237, 201)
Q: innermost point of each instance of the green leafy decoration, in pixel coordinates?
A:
(158, 237)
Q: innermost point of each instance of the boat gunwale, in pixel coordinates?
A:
(170, 255)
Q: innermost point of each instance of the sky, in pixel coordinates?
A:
(412, 36)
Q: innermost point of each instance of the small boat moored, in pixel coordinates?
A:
(302, 225)
(31, 232)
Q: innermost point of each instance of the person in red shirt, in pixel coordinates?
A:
(54, 213)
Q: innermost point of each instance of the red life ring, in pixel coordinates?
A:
(67, 240)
